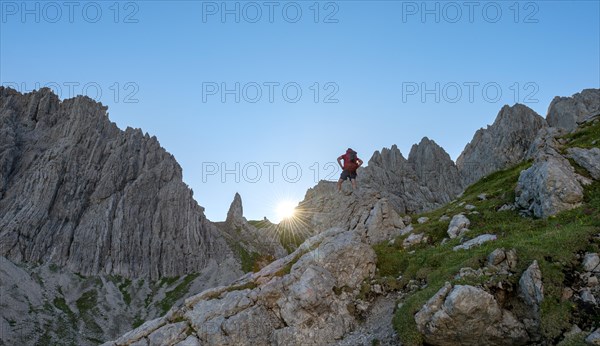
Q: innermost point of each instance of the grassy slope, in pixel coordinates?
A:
(553, 242)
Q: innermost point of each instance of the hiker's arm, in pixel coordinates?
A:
(339, 159)
(360, 162)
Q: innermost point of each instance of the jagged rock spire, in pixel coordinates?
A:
(235, 215)
(501, 145)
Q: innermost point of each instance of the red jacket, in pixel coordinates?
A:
(349, 165)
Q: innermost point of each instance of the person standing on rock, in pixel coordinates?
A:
(351, 164)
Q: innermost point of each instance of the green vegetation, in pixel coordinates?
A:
(123, 285)
(53, 267)
(553, 242)
(45, 339)
(137, 321)
(251, 261)
(87, 301)
(587, 136)
(248, 285)
(123, 288)
(87, 305)
(61, 304)
(289, 239)
(248, 259)
(260, 223)
(286, 269)
(62, 326)
(176, 293)
(167, 281)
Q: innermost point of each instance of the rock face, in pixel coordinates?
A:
(550, 185)
(303, 298)
(365, 210)
(567, 112)
(467, 315)
(435, 170)
(588, 159)
(501, 145)
(98, 200)
(48, 305)
(426, 180)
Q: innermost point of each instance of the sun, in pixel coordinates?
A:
(285, 210)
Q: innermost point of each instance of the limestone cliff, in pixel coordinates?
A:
(501, 145)
(77, 191)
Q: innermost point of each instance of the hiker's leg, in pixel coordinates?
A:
(343, 177)
(353, 180)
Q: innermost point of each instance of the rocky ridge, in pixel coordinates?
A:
(99, 200)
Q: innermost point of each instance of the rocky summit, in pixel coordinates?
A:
(501, 145)
(103, 243)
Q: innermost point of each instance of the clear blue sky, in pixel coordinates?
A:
(373, 57)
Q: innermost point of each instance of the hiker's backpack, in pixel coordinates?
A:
(352, 155)
(352, 164)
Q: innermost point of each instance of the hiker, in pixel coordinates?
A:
(351, 164)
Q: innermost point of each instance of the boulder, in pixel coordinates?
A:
(587, 296)
(550, 185)
(477, 241)
(531, 289)
(593, 338)
(458, 225)
(505, 261)
(413, 239)
(591, 262)
(467, 315)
